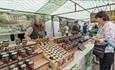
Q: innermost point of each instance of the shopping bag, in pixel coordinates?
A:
(99, 49)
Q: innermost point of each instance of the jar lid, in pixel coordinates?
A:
(15, 69)
(31, 62)
(13, 53)
(27, 60)
(23, 65)
(5, 55)
(20, 63)
(29, 49)
(12, 66)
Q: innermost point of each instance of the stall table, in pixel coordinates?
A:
(82, 59)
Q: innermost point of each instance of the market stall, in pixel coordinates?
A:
(60, 49)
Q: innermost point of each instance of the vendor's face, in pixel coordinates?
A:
(39, 20)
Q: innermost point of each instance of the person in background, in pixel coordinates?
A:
(106, 32)
(36, 29)
(95, 28)
(85, 28)
(75, 28)
(64, 29)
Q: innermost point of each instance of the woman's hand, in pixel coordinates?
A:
(96, 39)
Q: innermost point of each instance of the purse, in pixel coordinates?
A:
(99, 49)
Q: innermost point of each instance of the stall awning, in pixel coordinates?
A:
(75, 9)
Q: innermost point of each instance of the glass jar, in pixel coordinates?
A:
(27, 61)
(12, 67)
(20, 63)
(23, 67)
(18, 41)
(29, 51)
(19, 52)
(5, 58)
(15, 68)
(1, 54)
(22, 53)
(5, 43)
(30, 65)
(14, 55)
(33, 48)
(24, 42)
(1, 47)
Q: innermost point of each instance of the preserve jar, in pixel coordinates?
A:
(12, 67)
(29, 51)
(5, 43)
(5, 58)
(18, 41)
(23, 67)
(30, 65)
(14, 55)
(15, 68)
(24, 42)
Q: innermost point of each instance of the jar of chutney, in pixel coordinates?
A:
(23, 67)
(5, 58)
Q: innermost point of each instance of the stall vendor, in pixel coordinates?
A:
(75, 28)
(36, 29)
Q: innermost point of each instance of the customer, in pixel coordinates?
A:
(36, 29)
(106, 32)
(64, 28)
(75, 28)
(85, 29)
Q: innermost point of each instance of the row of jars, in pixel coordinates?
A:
(23, 65)
(6, 43)
(13, 55)
(53, 50)
(19, 42)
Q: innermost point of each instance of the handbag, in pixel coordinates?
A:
(99, 49)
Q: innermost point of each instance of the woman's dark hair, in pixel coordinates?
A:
(102, 14)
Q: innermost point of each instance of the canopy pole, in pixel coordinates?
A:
(75, 7)
(52, 25)
(80, 6)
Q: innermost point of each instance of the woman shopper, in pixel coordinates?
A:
(106, 32)
(36, 29)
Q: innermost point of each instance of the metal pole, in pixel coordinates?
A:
(52, 23)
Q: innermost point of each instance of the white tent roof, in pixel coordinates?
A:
(63, 8)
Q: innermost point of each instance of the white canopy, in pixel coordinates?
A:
(75, 9)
